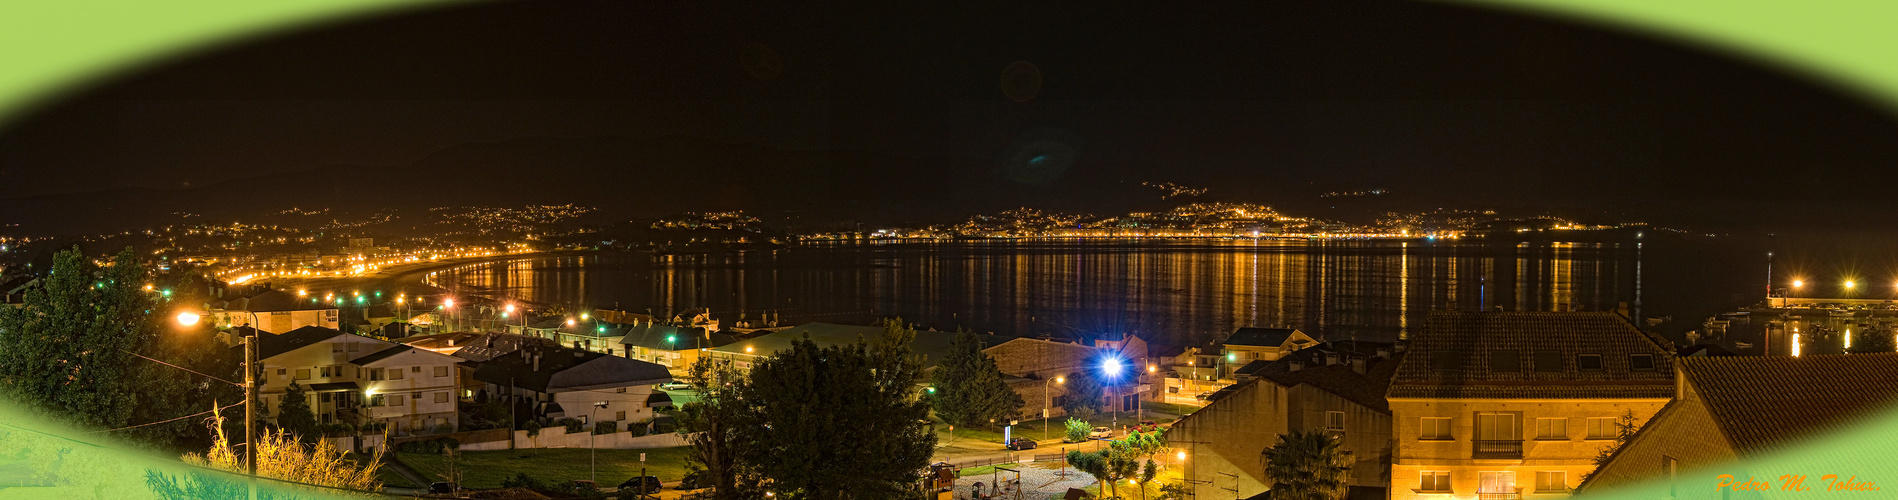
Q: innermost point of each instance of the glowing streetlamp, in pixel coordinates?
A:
(189, 318)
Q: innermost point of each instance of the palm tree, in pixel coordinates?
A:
(1307, 465)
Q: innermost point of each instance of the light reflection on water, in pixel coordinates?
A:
(1182, 290)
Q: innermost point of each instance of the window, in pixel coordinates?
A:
(323, 371)
(279, 371)
(417, 395)
(1548, 361)
(1495, 482)
(1435, 429)
(1334, 421)
(1641, 362)
(1551, 481)
(1434, 481)
(395, 400)
(303, 374)
(621, 390)
(441, 371)
(323, 398)
(1552, 429)
(375, 374)
(415, 369)
(1601, 428)
(1505, 361)
(1445, 361)
(619, 415)
(1498, 426)
(395, 374)
(376, 400)
(1588, 362)
(442, 397)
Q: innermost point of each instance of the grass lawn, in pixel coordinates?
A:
(486, 469)
(393, 480)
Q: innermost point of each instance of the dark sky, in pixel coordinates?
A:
(1442, 102)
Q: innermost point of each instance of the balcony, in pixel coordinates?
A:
(1493, 449)
(1498, 496)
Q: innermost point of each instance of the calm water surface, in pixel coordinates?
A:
(1175, 291)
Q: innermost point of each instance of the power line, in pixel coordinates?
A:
(181, 368)
(171, 420)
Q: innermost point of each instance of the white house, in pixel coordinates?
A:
(353, 379)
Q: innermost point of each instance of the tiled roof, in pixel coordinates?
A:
(488, 346)
(1764, 402)
(1262, 337)
(568, 369)
(653, 336)
(1365, 389)
(929, 344)
(380, 355)
(272, 345)
(1495, 354)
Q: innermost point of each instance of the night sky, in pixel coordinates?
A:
(1052, 105)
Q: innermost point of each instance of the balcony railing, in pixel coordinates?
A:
(1497, 449)
(1498, 496)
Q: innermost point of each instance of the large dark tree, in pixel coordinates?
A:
(294, 414)
(69, 352)
(1084, 397)
(710, 424)
(970, 390)
(839, 422)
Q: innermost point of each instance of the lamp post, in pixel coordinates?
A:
(591, 453)
(189, 318)
(1047, 402)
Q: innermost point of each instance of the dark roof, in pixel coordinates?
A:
(1262, 337)
(335, 386)
(380, 355)
(652, 336)
(379, 311)
(1254, 366)
(659, 399)
(1764, 402)
(1365, 389)
(272, 345)
(273, 300)
(395, 330)
(929, 344)
(1703, 350)
(564, 368)
(17, 284)
(1455, 356)
(486, 346)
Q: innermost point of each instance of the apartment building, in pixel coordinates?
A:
(1511, 405)
(349, 378)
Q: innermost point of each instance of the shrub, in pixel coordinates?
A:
(575, 488)
(573, 426)
(606, 427)
(532, 427)
(447, 443)
(522, 480)
(639, 428)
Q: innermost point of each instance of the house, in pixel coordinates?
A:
(1729, 408)
(277, 311)
(13, 290)
(929, 344)
(1033, 367)
(473, 348)
(1250, 344)
(563, 382)
(1346, 400)
(353, 379)
(674, 347)
(1517, 404)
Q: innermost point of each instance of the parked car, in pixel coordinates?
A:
(1202, 396)
(1149, 426)
(441, 488)
(651, 484)
(1020, 443)
(1101, 433)
(674, 386)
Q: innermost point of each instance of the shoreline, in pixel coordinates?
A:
(408, 276)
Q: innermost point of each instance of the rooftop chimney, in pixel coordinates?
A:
(536, 357)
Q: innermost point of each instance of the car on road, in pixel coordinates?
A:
(1149, 426)
(1203, 396)
(674, 386)
(441, 488)
(651, 484)
(1020, 443)
(1101, 433)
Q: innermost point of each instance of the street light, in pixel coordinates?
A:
(591, 454)
(1111, 367)
(189, 318)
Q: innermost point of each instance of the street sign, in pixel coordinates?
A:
(642, 458)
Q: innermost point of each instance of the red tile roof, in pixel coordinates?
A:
(1761, 403)
(1456, 354)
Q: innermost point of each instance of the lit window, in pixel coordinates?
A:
(1552, 429)
(1434, 429)
(1601, 428)
(1434, 481)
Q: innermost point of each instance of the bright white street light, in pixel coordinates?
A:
(187, 318)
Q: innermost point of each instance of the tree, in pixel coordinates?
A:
(1119, 462)
(1307, 465)
(843, 421)
(970, 389)
(1077, 430)
(72, 350)
(1083, 398)
(710, 425)
(1872, 343)
(294, 414)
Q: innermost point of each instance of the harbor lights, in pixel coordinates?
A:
(1849, 284)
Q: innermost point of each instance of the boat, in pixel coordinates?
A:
(1736, 314)
(1743, 345)
(1840, 313)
